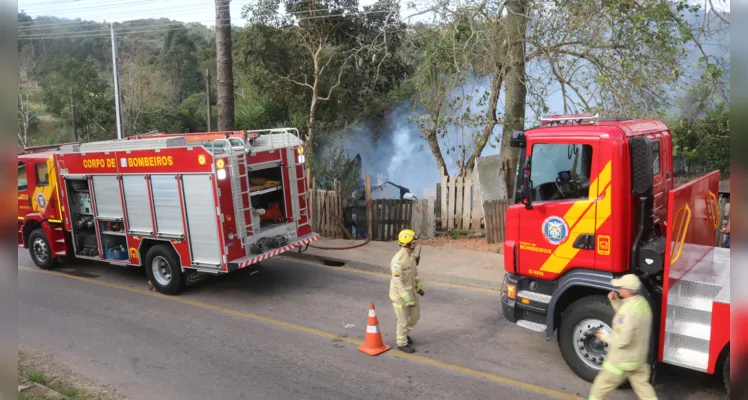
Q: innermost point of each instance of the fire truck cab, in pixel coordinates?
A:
(594, 201)
(182, 206)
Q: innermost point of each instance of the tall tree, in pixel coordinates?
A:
(225, 74)
(331, 36)
(179, 63)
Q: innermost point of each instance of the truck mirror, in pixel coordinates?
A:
(527, 184)
(642, 174)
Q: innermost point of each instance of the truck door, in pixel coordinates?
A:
(24, 200)
(558, 232)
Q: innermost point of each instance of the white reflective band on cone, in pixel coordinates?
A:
(372, 329)
(372, 313)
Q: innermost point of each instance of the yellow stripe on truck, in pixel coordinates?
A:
(588, 223)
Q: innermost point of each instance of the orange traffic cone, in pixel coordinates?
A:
(373, 344)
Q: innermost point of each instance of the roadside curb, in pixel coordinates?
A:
(445, 278)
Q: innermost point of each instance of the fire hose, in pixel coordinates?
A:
(319, 227)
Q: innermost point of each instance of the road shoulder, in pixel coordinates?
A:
(42, 378)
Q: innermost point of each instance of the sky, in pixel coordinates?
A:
(200, 11)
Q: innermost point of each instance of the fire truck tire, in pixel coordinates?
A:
(39, 249)
(726, 374)
(164, 272)
(583, 312)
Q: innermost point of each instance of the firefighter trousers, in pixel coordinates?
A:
(407, 318)
(610, 378)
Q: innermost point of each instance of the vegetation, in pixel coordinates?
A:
(328, 67)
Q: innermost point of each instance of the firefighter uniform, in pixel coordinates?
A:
(628, 345)
(403, 287)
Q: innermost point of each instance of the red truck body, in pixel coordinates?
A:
(211, 203)
(595, 200)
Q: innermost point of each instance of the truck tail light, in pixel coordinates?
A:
(301, 159)
(221, 173)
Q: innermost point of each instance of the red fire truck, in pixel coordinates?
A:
(182, 206)
(596, 200)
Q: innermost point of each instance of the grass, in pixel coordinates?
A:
(40, 369)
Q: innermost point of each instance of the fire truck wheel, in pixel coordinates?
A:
(163, 270)
(582, 352)
(726, 374)
(39, 249)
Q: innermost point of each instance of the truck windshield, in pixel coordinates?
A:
(560, 171)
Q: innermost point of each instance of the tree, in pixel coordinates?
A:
(225, 75)
(179, 63)
(94, 101)
(330, 36)
(27, 113)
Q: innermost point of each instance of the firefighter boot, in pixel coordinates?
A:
(410, 341)
(406, 349)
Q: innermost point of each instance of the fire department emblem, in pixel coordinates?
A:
(41, 201)
(555, 230)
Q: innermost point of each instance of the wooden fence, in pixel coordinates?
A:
(459, 204)
(495, 220)
(326, 211)
(389, 217)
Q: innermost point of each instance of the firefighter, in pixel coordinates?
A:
(404, 285)
(628, 343)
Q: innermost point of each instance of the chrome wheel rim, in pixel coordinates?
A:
(41, 252)
(588, 348)
(161, 270)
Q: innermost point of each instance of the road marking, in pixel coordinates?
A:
(383, 275)
(312, 331)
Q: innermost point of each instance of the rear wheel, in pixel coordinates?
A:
(726, 375)
(584, 353)
(39, 249)
(163, 269)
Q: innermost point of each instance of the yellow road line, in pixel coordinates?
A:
(382, 275)
(452, 367)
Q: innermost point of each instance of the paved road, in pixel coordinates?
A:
(291, 332)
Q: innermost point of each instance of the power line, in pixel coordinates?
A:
(176, 26)
(33, 28)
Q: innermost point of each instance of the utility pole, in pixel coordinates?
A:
(207, 96)
(72, 113)
(117, 97)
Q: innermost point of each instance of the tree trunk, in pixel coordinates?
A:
(496, 82)
(432, 139)
(225, 75)
(516, 88)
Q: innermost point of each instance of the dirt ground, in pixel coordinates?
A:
(464, 243)
(37, 368)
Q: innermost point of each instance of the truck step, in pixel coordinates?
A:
(686, 352)
(533, 326)
(689, 329)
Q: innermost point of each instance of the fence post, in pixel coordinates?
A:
(369, 214)
(477, 211)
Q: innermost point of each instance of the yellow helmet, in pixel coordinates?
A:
(406, 236)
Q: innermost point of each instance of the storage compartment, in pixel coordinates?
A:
(113, 240)
(268, 198)
(82, 218)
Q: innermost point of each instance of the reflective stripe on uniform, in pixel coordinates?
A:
(397, 305)
(630, 364)
(612, 369)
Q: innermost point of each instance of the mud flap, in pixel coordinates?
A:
(192, 277)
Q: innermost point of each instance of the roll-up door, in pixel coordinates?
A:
(200, 208)
(138, 207)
